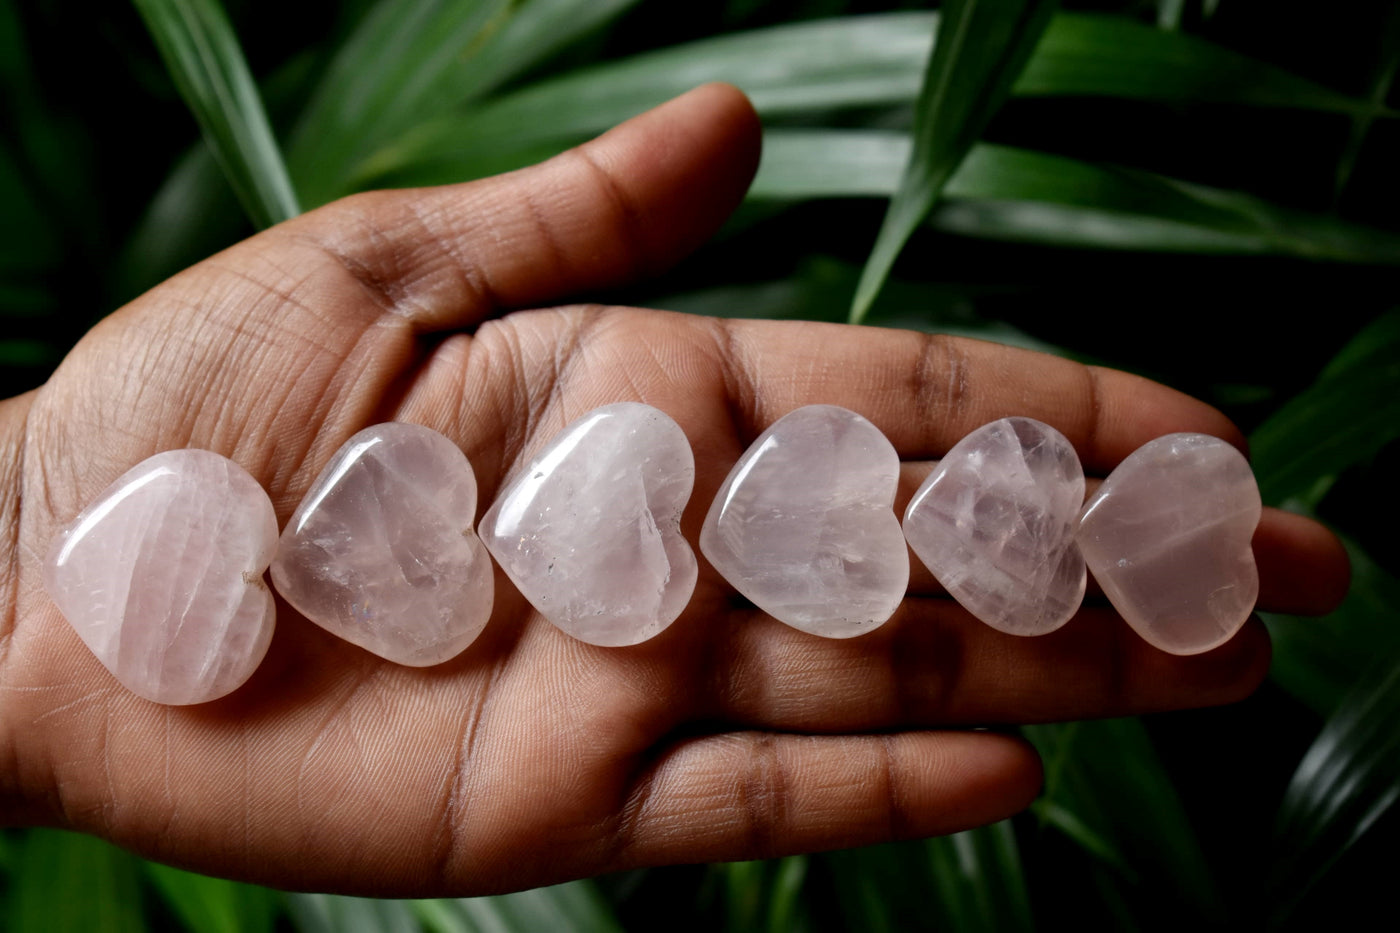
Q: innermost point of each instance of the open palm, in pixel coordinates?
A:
(532, 757)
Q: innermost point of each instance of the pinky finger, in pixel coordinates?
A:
(749, 795)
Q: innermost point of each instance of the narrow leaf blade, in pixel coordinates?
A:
(981, 49)
(1118, 800)
(535, 30)
(337, 913)
(67, 881)
(1002, 192)
(399, 67)
(1347, 780)
(1094, 55)
(968, 882)
(979, 879)
(815, 67)
(201, 52)
(1345, 417)
(214, 905)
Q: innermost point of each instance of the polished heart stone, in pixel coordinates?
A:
(590, 530)
(381, 550)
(995, 522)
(161, 576)
(1167, 536)
(804, 525)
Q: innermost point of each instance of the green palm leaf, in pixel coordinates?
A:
(1002, 192)
(1350, 413)
(815, 67)
(1348, 779)
(68, 881)
(981, 48)
(1107, 790)
(214, 905)
(412, 60)
(397, 66)
(203, 57)
(971, 881)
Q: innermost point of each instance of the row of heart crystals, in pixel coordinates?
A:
(162, 575)
(1001, 522)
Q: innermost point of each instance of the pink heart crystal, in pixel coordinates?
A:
(590, 531)
(995, 523)
(804, 525)
(381, 550)
(1168, 536)
(161, 576)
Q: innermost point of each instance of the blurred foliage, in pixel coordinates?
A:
(1201, 191)
(980, 48)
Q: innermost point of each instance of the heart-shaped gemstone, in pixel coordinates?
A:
(995, 523)
(381, 550)
(590, 530)
(803, 526)
(161, 576)
(1168, 535)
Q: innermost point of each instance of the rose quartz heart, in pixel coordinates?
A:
(590, 531)
(1168, 535)
(381, 550)
(804, 525)
(995, 523)
(161, 576)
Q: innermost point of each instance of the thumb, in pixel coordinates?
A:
(621, 207)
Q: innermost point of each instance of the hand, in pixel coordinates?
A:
(533, 758)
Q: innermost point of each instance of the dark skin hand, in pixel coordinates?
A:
(533, 758)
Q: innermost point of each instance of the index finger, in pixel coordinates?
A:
(927, 391)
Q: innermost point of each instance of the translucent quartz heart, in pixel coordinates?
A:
(804, 525)
(161, 576)
(1167, 536)
(381, 551)
(590, 531)
(995, 523)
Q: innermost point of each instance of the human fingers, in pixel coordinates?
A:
(933, 664)
(507, 391)
(927, 391)
(746, 795)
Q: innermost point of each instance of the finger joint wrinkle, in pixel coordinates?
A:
(740, 397)
(765, 792)
(627, 225)
(940, 378)
(896, 811)
(452, 822)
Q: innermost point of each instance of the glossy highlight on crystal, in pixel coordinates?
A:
(995, 524)
(161, 576)
(804, 524)
(381, 551)
(1168, 537)
(589, 531)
